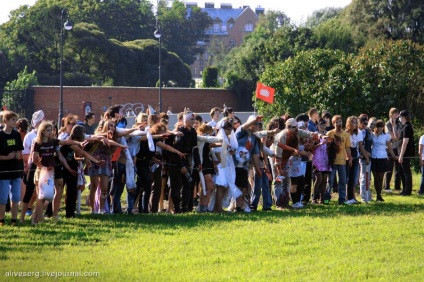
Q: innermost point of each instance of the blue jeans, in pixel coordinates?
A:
(261, 182)
(341, 172)
(12, 185)
(352, 174)
(422, 181)
(117, 187)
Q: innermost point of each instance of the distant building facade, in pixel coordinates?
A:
(229, 26)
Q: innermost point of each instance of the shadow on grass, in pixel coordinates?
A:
(91, 230)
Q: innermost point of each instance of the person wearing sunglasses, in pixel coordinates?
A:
(286, 145)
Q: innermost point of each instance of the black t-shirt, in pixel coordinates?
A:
(10, 143)
(47, 152)
(68, 154)
(186, 144)
(408, 132)
(144, 152)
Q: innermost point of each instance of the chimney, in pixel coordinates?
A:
(259, 11)
(191, 4)
(209, 5)
(226, 6)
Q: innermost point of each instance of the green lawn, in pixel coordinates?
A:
(378, 241)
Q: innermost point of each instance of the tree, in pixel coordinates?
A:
(314, 78)
(180, 31)
(210, 77)
(322, 15)
(13, 97)
(124, 20)
(387, 19)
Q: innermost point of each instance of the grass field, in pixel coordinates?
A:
(377, 242)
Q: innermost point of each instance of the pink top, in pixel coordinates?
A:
(320, 159)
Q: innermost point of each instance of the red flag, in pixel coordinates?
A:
(265, 93)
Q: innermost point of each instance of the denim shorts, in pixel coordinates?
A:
(10, 185)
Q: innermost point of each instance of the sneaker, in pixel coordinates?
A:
(298, 205)
(247, 209)
(380, 199)
(387, 190)
(55, 219)
(28, 212)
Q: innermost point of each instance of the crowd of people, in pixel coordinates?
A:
(224, 164)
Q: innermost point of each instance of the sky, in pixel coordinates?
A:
(297, 10)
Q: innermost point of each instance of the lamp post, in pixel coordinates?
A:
(68, 26)
(158, 35)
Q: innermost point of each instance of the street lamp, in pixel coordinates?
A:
(158, 35)
(68, 26)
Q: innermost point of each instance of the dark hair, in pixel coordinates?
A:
(198, 118)
(302, 117)
(115, 109)
(327, 115)
(89, 115)
(22, 124)
(77, 133)
(227, 111)
(378, 124)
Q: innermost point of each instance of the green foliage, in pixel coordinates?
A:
(383, 75)
(180, 32)
(316, 78)
(400, 19)
(320, 16)
(96, 51)
(12, 97)
(210, 77)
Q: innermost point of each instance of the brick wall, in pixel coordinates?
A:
(46, 98)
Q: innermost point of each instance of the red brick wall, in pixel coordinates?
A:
(46, 98)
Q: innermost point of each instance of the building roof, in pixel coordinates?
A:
(223, 14)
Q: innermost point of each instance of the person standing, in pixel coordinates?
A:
(179, 169)
(381, 145)
(407, 151)
(393, 127)
(364, 160)
(89, 123)
(421, 156)
(343, 157)
(10, 174)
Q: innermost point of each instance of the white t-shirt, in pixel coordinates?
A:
(422, 143)
(379, 146)
(355, 139)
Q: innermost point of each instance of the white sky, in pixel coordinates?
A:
(297, 10)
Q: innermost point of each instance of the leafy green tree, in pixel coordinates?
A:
(387, 19)
(124, 20)
(390, 74)
(210, 77)
(13, 97)
(181, 31)
(314, 78)
(334, 34)
(322, 15)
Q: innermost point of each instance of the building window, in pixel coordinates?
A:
(216, 27)
(248, 27)
(230, 25)
(195, 71)
(232, 43)
(201, 71)
(224, 28)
